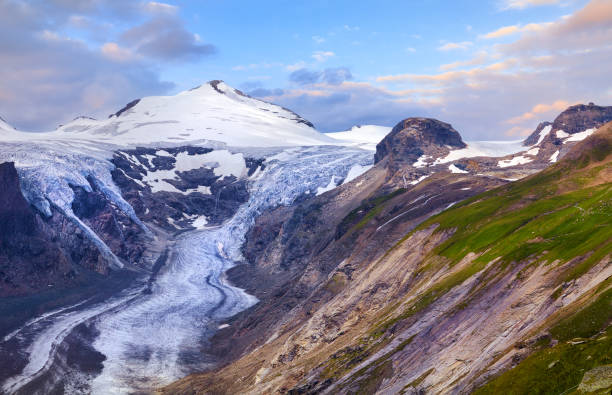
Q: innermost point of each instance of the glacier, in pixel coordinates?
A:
(151, 339)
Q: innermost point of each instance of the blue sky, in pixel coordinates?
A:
(493, 69)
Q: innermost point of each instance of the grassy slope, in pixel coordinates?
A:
(559, 215)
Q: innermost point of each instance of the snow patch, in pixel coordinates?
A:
(517, 160)
(533, 151)
(562, 134)
(329, 187)
(553, 157)
(455, 169)
(580, 136)
(482, 148)
(421, 161)
(543, 133)
(223, 162)
(365, 136)
(200, 222)
(355, 172)
(419, 179)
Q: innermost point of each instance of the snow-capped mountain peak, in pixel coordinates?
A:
(213, 111)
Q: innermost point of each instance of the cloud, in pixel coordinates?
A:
(305, 76)
(322, 56)
(410, 50)
(295, 66)
(454, 46)
(165, 38)
(522, 4)
(349, 28)
(115, 52)
(160, 8)
(318, 39)
(540, 109)
(479, 59)
(513, 29)
(331, 76)
(587, 29)
(48, 77)
(338, 107)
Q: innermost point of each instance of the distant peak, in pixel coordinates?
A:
(574, 119)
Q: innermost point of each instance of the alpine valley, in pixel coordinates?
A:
(213, 243)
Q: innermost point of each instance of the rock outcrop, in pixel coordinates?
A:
(415, 137)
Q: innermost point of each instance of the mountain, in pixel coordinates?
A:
(295, 261)
(213, 111)
(458, 283)
(549, 141)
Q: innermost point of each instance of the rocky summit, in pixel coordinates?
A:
(414, 137)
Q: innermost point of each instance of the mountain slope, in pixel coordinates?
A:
(465, 295)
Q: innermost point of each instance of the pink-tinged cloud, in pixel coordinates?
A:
(521, 4)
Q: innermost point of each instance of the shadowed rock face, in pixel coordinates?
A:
(414, 137)
(16, 216)
(28, 258)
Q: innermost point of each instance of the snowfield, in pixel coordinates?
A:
(482, 148)
(362, 136)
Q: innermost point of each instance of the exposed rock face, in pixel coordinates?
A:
(124, 237)
(414, 137)
(29, 258)
(184, 195)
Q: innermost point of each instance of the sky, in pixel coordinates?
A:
(493, 69)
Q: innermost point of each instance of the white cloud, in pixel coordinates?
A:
(318, 39)
(514, 29)
(454, 46)
(295, 66)
(322, 56)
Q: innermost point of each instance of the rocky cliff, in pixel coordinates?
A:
(30, 259)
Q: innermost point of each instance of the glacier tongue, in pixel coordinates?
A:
(158, 339)
(151, 339)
